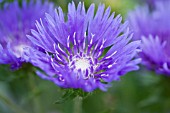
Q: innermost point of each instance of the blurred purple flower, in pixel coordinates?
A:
(76, 54)
(154, 26)
(15, 23)
(153, 2)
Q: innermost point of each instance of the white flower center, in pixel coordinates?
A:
(82, 64)
(18, 50)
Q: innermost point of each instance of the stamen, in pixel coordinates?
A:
(111, 55)
(55, 49)
(85, 34)
(91, 41)
(61, 49)
(61, 79)
(74, 38)
(68, 41)
(103, 41)
(96, 46)
(104, 75)
(109, 66)
(100, 52)
(58, 58)
(47, 53)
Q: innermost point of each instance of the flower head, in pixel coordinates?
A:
(85, 51)
(153, 2)
(154, 29)
(15, 23)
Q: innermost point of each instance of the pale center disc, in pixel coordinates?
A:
(82, 64)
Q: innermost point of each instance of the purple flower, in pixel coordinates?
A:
(86, 51)
(15, 23)
(153, 2)
(154, 26)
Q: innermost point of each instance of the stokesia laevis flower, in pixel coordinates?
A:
(15, 23)
(154, 26)
(86, 51)
(153, 2)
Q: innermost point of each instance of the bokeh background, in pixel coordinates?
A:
(142, 91)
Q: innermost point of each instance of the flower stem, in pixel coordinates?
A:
(36, 101)
(11, 104)
(78, 105)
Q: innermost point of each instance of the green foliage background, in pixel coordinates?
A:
(137, 92)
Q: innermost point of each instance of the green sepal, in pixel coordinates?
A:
(70, 94)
